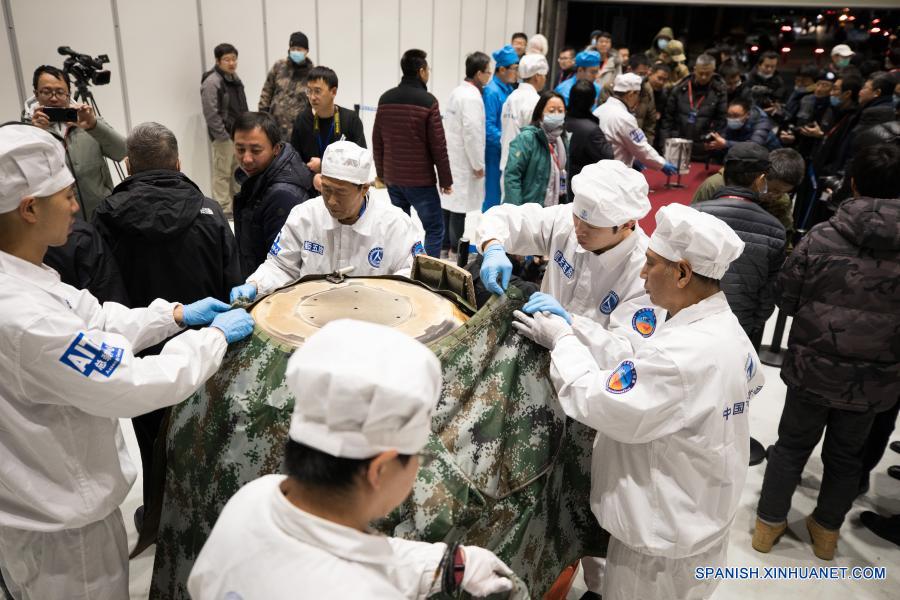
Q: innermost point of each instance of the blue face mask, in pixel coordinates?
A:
(296, 56)
(662, 43)
(734, 123)
(835, 101)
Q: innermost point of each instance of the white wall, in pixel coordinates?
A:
(166, 45)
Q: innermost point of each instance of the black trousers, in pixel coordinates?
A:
(801, 427)
(879, 438)
(146, 429)
(454, 227)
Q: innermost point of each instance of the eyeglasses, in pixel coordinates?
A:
(53, 93)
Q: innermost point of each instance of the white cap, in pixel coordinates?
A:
(842, 50)
(348, 162)
(628, 82)
(533, 64)
(707, 243)
(537, 43)
(608, 193)
(32, 163)
(361, 389)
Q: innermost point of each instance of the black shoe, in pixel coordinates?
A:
(139, 518)
(895, 446)
(887, 528)
(757, 453)
(894, 471)
(591, 596)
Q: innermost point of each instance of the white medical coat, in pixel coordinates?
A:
(67, 374)
(673, 441)
(589, 286)
(516, 114)
(464, 128)
(263, 546)
(628, 141)
(382, 242)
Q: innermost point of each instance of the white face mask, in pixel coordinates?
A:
(553, 124)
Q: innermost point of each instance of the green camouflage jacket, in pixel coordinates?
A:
(284, 93)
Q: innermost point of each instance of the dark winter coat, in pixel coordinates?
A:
(223, 101)
(775, 83)
(264, 203)
(842, 287)
(710, 104)
(878, 111)
(749, 281)
(587, 145)
(168, 239)
(86, 262)
(408, 137)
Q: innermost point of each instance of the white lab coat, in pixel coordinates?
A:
(628, 141)
(516, 114)
(464, 128)
(672, 447)
(263, 546)
(592, 287)
(67, 374)
(382, 242)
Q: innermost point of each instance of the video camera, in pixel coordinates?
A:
(84, 69)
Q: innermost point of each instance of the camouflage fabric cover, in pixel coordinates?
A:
(284, 93)
(511, 472)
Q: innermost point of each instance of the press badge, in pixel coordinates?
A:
(86, 358)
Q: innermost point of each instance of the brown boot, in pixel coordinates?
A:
(824, 541)
(767, 535)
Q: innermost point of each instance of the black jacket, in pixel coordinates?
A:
(264, 203)
(749, 280)
(878, 111)
(709, 103)
(311, 144)
(85, 262)
(169, 240)
(775, 83)
(841, 285)
(586, 146)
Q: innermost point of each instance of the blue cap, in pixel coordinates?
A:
(587, 58)
(507, 56)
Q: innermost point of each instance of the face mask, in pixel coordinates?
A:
(662, 44)
(835, 101)
(842, 62)
(297, 56)
(735, 123)
(553, 124)
(765, 76)
(765, 187)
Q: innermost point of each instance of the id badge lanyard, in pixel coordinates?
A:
(559, 167)
(692, 116)
(334, 130)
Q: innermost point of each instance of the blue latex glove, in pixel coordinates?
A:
(247, 290)
(236, 324)
(541, 302)
(670, 169)
(203, 311)
(495, 263)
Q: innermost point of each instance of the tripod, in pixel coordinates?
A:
(83, 93)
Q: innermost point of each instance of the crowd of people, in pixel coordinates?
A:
(801, 212)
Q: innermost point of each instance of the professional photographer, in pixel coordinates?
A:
(88, 139)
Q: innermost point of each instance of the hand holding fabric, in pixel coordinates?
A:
(203, 311)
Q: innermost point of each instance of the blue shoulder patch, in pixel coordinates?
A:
(567, 269)
(276, 245)
(644, 321)
(609, 303)
(375, 256)
(86, 358)
(622, 379)
(417, 249)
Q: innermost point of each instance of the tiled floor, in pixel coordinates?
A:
(857, 546)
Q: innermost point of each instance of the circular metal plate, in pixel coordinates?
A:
(292, 315)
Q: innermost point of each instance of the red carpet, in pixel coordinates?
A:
(660, 195)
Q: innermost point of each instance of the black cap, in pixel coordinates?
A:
(747, 157)
(826, 76)
(299, 40)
